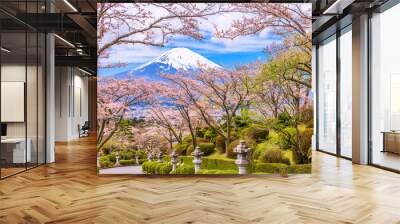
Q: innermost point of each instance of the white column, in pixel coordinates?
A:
(50, 101)
(314, 91)
(360, 90)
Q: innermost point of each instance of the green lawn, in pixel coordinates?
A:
(218, 155)
(286, 153)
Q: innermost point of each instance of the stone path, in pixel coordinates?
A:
(122, 170)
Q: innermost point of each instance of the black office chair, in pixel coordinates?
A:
(84, 130)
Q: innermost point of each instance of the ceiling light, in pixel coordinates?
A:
(70, 5)
(84, 71)
(338, 6)
(5, 50)
(64, 40)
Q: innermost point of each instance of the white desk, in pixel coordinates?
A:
(19, 155)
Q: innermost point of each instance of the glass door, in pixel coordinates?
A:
(346, 92)
(327, 95)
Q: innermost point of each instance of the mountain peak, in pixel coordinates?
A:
(180, 58)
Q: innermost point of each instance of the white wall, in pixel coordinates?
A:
(33, 126)
(71, 102)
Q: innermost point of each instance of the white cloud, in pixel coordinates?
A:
(132, 54)
(141, 53)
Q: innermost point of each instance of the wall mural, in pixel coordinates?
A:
(206, 88)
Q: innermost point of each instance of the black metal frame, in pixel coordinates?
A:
(36, 164)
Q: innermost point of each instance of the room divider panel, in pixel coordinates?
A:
(22, 77)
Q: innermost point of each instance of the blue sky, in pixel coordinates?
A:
(225, 52)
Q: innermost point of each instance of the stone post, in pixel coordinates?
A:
(117, 161)
(241, 160)
(98, 159)
(137, 159)
(174, 159)
(150, 156)
(160, 157)
(197, 159)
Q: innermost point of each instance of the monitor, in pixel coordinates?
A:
(3, 129)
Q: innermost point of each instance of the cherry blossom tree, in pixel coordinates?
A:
(216, 95)
(115, 98)
(292, 22)
(281, 18)
(149, 23)
(268, 98)
(149, 139)
(169, 121)
(183, 104)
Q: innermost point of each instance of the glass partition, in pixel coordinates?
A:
(346, 92)
(327, 95)
(22, 77)
(31, 98)
(14, 155)
(385, 89)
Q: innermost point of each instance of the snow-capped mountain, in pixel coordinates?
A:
(170, 62)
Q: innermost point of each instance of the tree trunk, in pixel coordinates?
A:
(194, 141)
(170, 141)
(228, 135)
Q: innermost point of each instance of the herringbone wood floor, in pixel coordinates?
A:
(70, 191)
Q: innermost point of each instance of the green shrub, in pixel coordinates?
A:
(207, 148)
(148, 166)
(184, 169)
(220, 143)
(282, 169)
(154, 167)
(300, 168)
(189, 150)
(127, 155)
(163, 168)
(286, 137)
(204, 171)
(302, 149)
(250, 143)
(257, 133)
(186, 146)
(241, 121)
(210, 135)
(218, 164)
(187, 160)
(127, 162)
(270, 167)
(274, 156)
(261, 148)
(181, 148)
(105, 162)
(210, 163)
(142, 154)
(199, 132)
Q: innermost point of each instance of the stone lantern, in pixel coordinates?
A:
(150, 156)
(117, 161)
(160, 157)
(98, 159)
(197, 158)
(241, 160)
(174, 159)
(137, 158)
